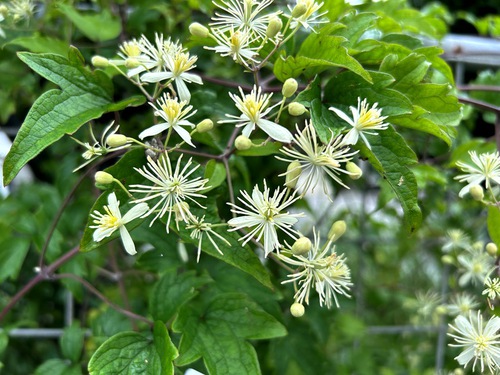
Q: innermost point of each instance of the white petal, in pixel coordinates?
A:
(190, 77)
(128, 243)
(156, 76)
(351, 138)
(153, 130)
(182, 90)
(342, 115)
(184, 134)
(135, 212)
(101, 233)
(275, 131)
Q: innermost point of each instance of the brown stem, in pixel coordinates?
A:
(102, 297)
(44, 274)
(478, 88)
(480, 104)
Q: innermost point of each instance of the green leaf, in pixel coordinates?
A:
(97, 27)
(217, 330)
(13, 250)
(259, 148)
(494, 224)
(216, 174)
(84, 96)
(58, 367)
(172, 291)
(391, 156)
(130, 353)
(72, 342)
(164, 347)
(320, 51)
(42, 44)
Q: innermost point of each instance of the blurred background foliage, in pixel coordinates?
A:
(398, 279)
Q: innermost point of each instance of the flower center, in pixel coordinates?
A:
(182, 62)
(252, 108)
(172, 109)
(131, 49)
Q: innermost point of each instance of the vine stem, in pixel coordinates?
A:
(45, 273)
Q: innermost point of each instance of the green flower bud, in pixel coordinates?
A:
(447, 259)
(132, 63)
(302, 246)
(492, 249)
(274, 27)
(441, 310)
(337, 230)
(296, 109)
(116, 140)
(476, 192)
(289, 87)
(297, 310)
(292, 174)
(4, 10)
(197, 29)
(299, 10)
(100, 62)
(103, 178)
(205, 126)
(355, 171)
(242, 143)
(458, 371)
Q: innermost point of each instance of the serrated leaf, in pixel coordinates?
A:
(71, 342)
(109, 26)
(494, 224)
(84, 96)
(127, 353)
(165, 348)
(391, 156)
(172, 291)
(218, 329)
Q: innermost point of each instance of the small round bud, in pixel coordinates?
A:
(116, 140)
(100, 62)
(447, 259)
(299, 10)
(103, 178)
(292, 174)
(476, 192)
(3, 10)
(274, 27)
(458, 371)
(337, 230)
(132, 63)
(289, 87)
(302, 246)
(492, 249)
(205, 126)
(197, 29)
(354, 170)
(296, 109)
(242, 143)
(297, 310)
(441, 310)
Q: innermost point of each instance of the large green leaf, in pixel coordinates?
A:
(218, 329)
(130, 353)
(84, 96)
(172, 291)
(97, 27)
(71, 342)
(391, 156)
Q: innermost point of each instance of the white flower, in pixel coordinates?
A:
(236, 44)
(96, 149)
(241, 15)
(475, 266)
(479, 343)
(317, 161)
(310, 16)
(456, 239)
(112, 220)
(364, 119)
(198, 228)
(171, 188)
(322, 269)
(21, 9)
(461, 304)
(254, 107)
(264, 214)
(486, 168)
(492, 288)
(178, 64)
(175, 114)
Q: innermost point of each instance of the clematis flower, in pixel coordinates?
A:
(112, 220)
(254, 107)
(199, 228)
(486, 167)
(264, 214)
(480, 343)
(364, 121)
(235, 44)
(310, 17)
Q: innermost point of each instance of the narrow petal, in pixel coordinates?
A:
(184, 134)
(190, 77)
(342, 115)
(128, 243)
(182, 90)
(135, 212)
(154, 130)
(156, 76)
(275, 131)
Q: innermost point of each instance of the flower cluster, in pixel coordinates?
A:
(484, 168)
